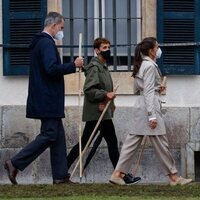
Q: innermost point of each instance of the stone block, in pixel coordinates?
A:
(122, 117)
(38, 172)
(194, 124)
(17, 130)
(122, 121)
(177, 125)
(176, 121)
(71, 125)
(96, 171)
(1, 126)
(150, 168)
(23, 177)
(42, 169)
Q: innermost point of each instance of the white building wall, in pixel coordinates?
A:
(181, 90)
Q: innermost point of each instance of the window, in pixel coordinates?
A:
(117, 21)
(21, 20)
(178, 22)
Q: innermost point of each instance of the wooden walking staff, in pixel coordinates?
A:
(93, 133)
(142, 146)
(79, 105)
(164, 81)
(163, 85)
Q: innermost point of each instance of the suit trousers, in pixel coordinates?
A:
(52, 135)
(160, 145)
(107, 130)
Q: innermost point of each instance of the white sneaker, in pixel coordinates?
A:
(180, 181)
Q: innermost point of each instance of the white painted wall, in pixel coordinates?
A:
(181, 90)
(13, 90)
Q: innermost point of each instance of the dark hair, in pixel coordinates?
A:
(98, 41)
(53, 17)
(142, 48)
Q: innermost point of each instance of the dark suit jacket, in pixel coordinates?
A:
(46, 79)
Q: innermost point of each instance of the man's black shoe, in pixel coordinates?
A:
(130, 180)
(62, 181)
(11, 171)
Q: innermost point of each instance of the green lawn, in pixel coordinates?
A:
(108, 198)
(99, 192)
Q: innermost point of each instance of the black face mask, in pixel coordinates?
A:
(105, 54)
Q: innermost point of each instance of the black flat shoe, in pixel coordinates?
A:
(11, 171)
(62, 181)
(130, 180)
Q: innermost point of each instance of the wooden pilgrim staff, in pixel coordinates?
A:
(142, 146)
(163, 85)
(164, 81)
(93, 133)
(79, 106)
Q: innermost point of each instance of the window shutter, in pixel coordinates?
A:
(178, 22)
(22, 19)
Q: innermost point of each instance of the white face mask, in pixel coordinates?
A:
(59, 35)
(158, 53)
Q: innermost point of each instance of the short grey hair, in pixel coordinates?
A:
(53, 17)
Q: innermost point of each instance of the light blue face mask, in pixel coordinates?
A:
(158, 53)
(59, 35)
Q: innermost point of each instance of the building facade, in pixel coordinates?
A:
(125, 23)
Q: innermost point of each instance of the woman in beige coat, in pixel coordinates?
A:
(148, 118)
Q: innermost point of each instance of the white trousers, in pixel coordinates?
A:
(132, 144)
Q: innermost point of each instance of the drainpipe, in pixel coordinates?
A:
(103, 18)
(96, 18)
(139, 21)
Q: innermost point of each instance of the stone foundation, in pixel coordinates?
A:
(182, 123)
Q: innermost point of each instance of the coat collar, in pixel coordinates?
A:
(98, 62)
(147, 58)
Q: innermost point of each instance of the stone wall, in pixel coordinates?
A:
(183, 126)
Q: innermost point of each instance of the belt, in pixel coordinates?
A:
(156, 92)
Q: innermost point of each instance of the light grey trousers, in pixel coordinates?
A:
(132, 144)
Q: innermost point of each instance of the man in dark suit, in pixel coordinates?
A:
(46, 101)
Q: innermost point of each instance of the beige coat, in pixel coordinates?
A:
(148, 104)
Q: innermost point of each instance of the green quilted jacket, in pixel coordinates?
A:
(97, 83)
